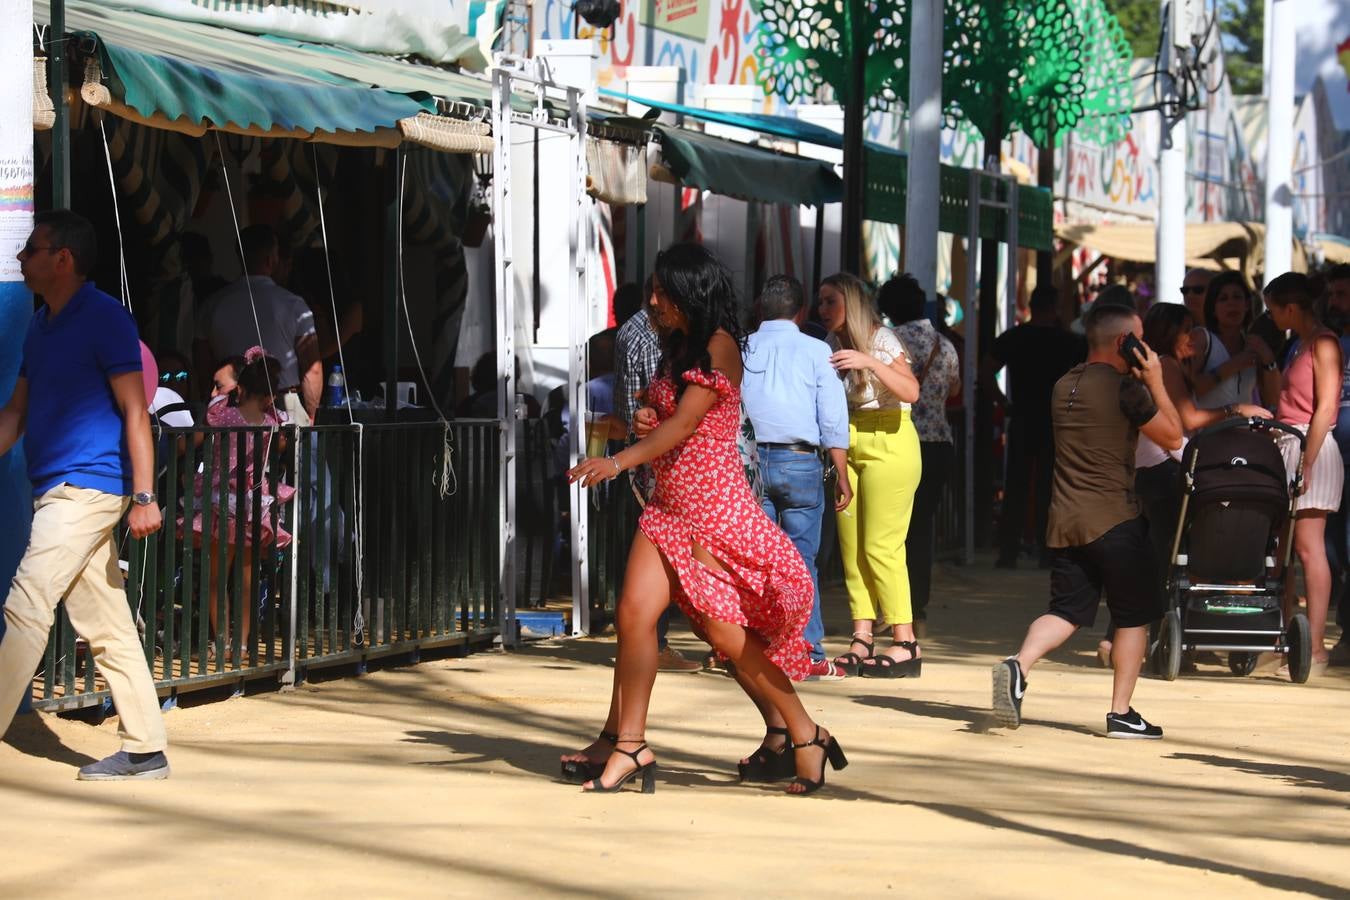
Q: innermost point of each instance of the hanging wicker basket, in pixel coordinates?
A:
(44, 113)
(94, 91)
(446, 134)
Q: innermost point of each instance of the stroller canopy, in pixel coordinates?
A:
(1237, 464)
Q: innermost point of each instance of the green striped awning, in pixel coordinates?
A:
(204, 75)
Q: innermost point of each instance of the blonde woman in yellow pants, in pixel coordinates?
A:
(884, 464)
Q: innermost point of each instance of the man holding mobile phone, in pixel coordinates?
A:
(1097, 536)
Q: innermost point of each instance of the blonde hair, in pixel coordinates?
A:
(861, 321)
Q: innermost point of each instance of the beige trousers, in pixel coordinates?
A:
(71, 554)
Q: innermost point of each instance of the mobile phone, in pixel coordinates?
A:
(1128, 350)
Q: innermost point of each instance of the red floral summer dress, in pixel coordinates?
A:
(702, 498)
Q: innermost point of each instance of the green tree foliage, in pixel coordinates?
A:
(1243, 26)
(1139, 20)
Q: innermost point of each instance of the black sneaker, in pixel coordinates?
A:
(124, 766)
(1009, 687)
(1131, 726)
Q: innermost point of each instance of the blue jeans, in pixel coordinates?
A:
(794, 498)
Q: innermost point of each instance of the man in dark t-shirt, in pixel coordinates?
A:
(1097, 536)
(1036, 353)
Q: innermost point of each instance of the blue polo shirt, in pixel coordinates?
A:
(74, 433)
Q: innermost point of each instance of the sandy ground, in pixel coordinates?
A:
(439, 780)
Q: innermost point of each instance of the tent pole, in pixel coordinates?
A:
(56, 84)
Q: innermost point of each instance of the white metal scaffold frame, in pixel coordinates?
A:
(534, 76)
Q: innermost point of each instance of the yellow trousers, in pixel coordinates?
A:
(884, 465)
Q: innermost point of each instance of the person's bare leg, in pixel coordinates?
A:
(215, 607)
(1309, 538)
(248, 601)
(862, 630)
(1127, 658)
(1045, 634)
(646, 593)
(771, 716)
(746, 650)
(903, 633)
(598, 750)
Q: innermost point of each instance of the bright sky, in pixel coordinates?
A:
(1322, 24)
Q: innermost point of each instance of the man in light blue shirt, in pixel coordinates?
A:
(796, 402)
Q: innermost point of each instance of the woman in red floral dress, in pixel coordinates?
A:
(704, 542)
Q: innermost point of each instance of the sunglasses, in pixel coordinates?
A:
(1192, 289)
(29, 248)
(169, 377)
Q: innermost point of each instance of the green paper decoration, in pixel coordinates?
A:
(1108, 97)
(1047, 66)
(803, 45)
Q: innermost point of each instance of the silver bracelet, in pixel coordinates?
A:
(617, 468)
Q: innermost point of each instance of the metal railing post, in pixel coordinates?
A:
(505, 318)
(297, 528)
(972, 369)
(576, 364)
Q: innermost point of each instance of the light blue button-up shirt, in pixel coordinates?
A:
(790, 390)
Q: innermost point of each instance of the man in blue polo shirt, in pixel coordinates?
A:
(796, 402)
(81, 406)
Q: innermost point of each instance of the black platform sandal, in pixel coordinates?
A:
(580, 772)
(648, 773)
(834, 754)
(851, 663)
(884, 666)
(768, 765)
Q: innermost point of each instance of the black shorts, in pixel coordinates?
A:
(1121, 562)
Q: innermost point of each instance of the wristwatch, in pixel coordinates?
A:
(143, 498)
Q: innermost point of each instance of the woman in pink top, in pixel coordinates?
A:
(1310, 394)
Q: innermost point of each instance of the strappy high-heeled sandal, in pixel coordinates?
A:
(834, 755)
(768, 765)
(581, 771)
(884, 666)
(648, 773)
(851, 663)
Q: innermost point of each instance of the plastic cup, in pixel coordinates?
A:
(597, 434)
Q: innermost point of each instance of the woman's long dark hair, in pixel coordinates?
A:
(1216, 286)
(701, 287)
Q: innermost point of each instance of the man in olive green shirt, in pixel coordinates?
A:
(1098, 539)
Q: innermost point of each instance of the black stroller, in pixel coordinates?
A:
(1224, 586)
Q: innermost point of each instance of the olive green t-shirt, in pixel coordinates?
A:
(1097, 412)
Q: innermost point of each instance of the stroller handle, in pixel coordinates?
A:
(1254, 422)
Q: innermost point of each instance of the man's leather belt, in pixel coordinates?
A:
(799, 446)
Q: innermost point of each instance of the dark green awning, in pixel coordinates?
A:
(885, 191)
(746, 171)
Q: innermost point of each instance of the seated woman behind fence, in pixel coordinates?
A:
(233, 469)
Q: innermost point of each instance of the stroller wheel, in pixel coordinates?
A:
(1165, 659)
(1241, 663)
(1299, 635)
